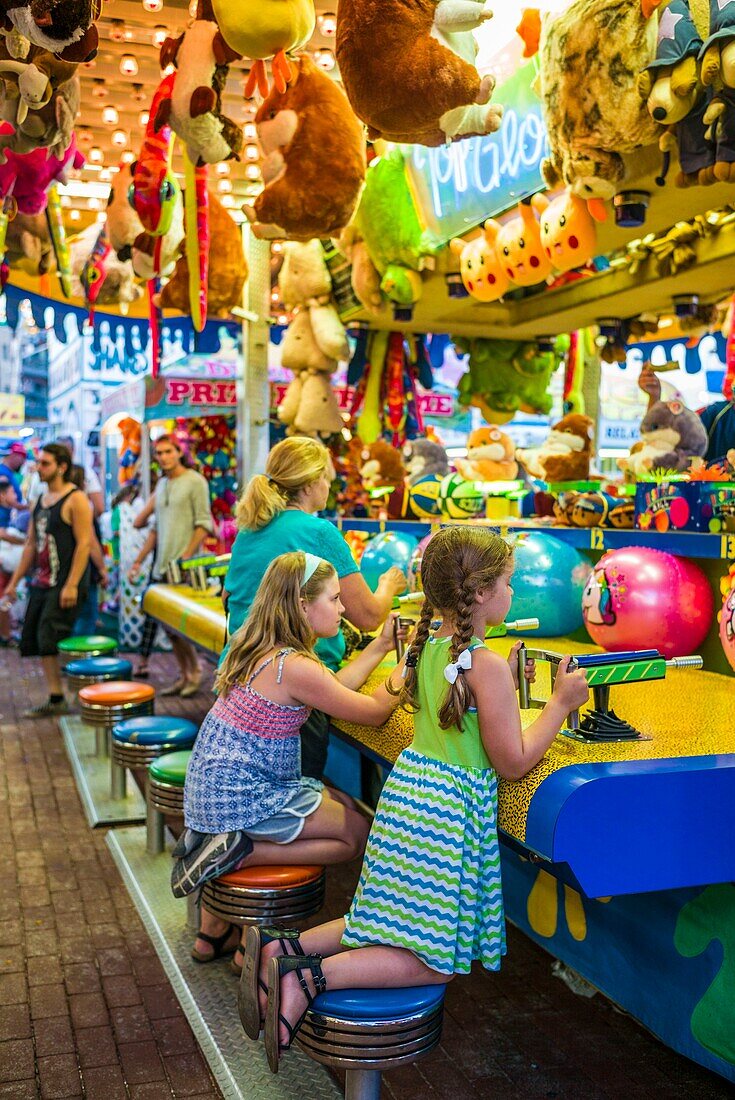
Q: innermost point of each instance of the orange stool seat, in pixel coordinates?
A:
(266, 895)
(115, 693)
(274, 878)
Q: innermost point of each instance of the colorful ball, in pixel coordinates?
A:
(383, 551)
(548, 580)
(460, 499)
(727, 628)
(423, 497)
(638, 598)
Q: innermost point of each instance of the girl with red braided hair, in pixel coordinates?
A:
(429, 899)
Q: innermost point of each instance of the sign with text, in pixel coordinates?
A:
(12, 409)
(430, 404)
(458, 186)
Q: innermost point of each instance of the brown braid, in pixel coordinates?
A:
(459, 696)
(408, 692)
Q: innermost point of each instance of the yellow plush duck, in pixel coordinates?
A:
(262, 29)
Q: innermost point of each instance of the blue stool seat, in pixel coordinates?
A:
(179, 733)
(117, 668)
(378, 1004)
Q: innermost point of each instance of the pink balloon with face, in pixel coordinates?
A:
(638, 598)
(727, 628)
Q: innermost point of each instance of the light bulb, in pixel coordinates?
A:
(168, 70)
(160, 34)
(101, 217)
(252, 152)
(250, 130)
(119, 138)
(85, 138)
(65, 200)
(325, 59)
(94, 204)
(153, 5)
(277, 248)
(95, 155)
(99, 88)
(117, 30)
(105, 175)
(228, 201)
(223, 168)
(110, 115)
(128, 65)
(252, 171)
(127, 157)
(74, 215)
(327, 23)
(224, 186)
(143, 118)
(275, 297)
(193, 6)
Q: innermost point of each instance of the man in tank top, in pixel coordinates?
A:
(56, 555)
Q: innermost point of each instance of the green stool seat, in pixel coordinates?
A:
(165, 795)
(86, 645)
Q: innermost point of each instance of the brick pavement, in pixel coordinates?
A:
(86, 1009)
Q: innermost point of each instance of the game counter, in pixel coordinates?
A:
(618, 858)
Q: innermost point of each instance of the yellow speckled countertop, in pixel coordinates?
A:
(690, 713)
(199, 616)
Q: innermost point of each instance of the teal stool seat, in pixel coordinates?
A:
(137, 742)
(96, 670)
(86, 645)
(366, 1031)
(166, 776)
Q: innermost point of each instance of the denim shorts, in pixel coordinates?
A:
(286, 825)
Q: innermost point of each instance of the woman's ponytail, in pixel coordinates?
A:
(293, 465)
(260, 503)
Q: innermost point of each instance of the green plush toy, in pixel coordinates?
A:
(505, 376)
(388, 222)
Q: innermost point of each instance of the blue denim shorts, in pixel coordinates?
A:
(286, 825)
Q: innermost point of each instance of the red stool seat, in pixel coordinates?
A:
(116, 692)
(272, 878)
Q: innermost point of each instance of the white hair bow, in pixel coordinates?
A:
(463, 662)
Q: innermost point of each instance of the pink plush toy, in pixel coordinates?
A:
(27, 176)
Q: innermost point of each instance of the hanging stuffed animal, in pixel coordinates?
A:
(306, 285)
(718, 72)
(518, 245)
(50, 127)
(408, 68)
(98, 275)
(568, 230)
(365, 276)
(26, 177)
(57, 233)
(194, 110)
(590, 55)
(308, 134)
(266, 29)
(504, 376)
(63, 27)
(484, 276)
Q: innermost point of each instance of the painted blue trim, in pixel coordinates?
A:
(638, 826)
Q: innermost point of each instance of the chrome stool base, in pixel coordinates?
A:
(263, 906)
(164, 800)
(103, 718)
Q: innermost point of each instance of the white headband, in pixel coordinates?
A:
(312, 564)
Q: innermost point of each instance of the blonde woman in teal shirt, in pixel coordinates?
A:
(277, 514)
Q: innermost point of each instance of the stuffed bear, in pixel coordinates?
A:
(228, 268)
(28, 244)
(565, 454)
(310, 406)
(28, 177)
(30, 81)
(63, 27)
(300, 349)
(305, 284)
(483, 274)
(518, 244)
(194, 111)
(389, 224)
(308, 134)
(123, 223)
(671, 436)
(505, 375)
(424, 457)
(590, 55)
(675, 96)
(408, 68)
(490, 456)
(568, 231)
(50, 127)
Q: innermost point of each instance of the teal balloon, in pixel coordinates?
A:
(548, 581)
(383, 551)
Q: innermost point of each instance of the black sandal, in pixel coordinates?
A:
(277, 969)
(250, 982)
(217, 943)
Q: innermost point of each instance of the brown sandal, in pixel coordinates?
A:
(217, 943)
(277, 969)
(250, 982)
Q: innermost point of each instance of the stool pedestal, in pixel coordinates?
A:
(104, 705)
(165, 796)
(266, 895)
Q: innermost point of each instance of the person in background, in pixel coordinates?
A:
(87, 619)
(91, 480)
(57, 552)
(183, 519)
(277, 513)
(718, 418)
(12, 539)
(12, 460)
(429, 901)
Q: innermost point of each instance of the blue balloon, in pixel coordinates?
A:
(383, 551)
(548, 581)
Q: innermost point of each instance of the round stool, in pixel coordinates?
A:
(86, 645)
(137, 742)
(266, 895)
(165, 795)
(366, 1031)
(96, 670)
(104, 705)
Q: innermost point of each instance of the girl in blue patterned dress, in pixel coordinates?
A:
(429, 900)
(245, 799)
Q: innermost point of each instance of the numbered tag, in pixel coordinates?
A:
(727, 546)
(597, 538)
